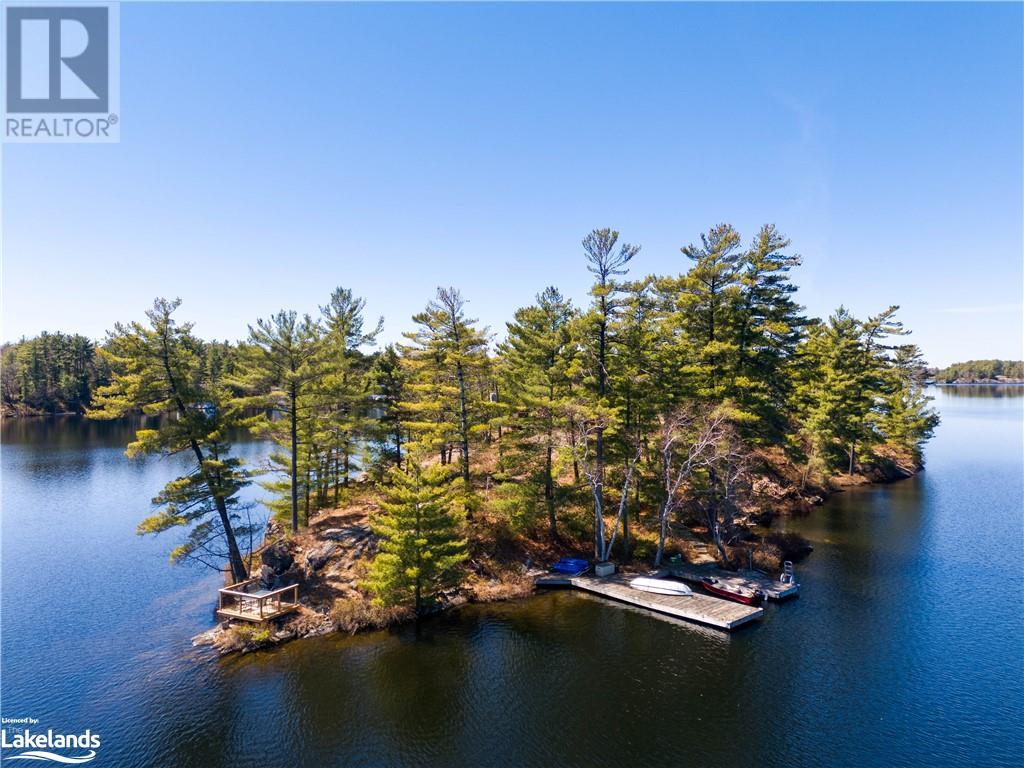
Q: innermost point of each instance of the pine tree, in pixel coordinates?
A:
(159, 368)
(279, 361)
(638, 391)
(768, 328)
(834, 397)
(420, 547)
(341, 385)
(388, 380)
(536, 356)
(907, 420)
(594, 332)
(705, 300)
(51, 373)
(445, 355)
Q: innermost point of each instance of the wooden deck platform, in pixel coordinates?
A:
(703, 609)
(245, 601)
(772, 588)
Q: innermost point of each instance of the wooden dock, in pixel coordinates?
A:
(772, 588)
(703, 609)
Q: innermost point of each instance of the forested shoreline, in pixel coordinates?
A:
(981, 372)
(53, 373)
(696, 402)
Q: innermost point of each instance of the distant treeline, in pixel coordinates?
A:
(51, 373)
(982, 370)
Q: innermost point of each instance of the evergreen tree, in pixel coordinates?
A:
(769, 326)
(159, 368)
(446, 353)
(705, 301)
(536, 355)
(51, 373)
(907, 420)
(637, 389)
(341, 385)
(594, 332)
(388, 380)
(420, 547)
(279, 361)
(835, 394)
(982, 370)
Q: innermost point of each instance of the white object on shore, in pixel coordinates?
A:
(661, 586)
(604, 569)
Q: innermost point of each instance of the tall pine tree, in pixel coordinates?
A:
(160, 368)
(279, 362)
(536, 356)
(445, 356)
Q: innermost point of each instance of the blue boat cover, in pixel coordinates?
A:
(572, 565)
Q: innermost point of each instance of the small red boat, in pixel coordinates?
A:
(729, 592)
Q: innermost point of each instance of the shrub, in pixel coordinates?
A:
(352, 615)
(768, 558)
(244, 637)
(792, 546)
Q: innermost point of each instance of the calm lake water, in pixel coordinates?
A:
(905, 647)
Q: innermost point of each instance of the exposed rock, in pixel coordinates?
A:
(351, 534)
(209, 637)
(267, 577)
(317, 557)
(294, 575)
(277, 557)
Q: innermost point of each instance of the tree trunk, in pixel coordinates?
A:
(238, 570)
(625, 535)
(662, 532)
(549, 492)
(306, 497)
(463, 421)
(418, 563)
(572, 444)
(398, 446)
(337, 479)
(853, 451)
(347, 463)
(599, 468)
(293, 396)
(716, 534)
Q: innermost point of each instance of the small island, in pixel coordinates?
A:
(669, 418)
(980, 372)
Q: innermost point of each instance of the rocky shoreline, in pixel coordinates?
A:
(329, 559)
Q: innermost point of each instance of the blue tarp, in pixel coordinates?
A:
(573, 565)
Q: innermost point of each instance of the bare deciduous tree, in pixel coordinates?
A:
(587, 429)
(686, 442)
(728, 478)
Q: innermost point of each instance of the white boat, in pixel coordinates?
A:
(661, 586)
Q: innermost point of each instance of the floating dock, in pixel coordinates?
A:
(722, 614)
(773, 588)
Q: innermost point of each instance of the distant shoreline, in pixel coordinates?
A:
(11, 412)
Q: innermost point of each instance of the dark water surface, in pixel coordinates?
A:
(905, 648)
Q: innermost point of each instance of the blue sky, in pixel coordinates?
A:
(270, 152)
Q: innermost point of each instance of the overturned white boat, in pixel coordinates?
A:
(661, 586)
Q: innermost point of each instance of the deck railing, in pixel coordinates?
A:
(242, 601)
